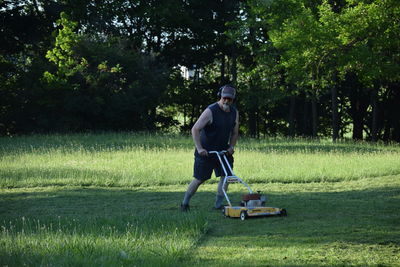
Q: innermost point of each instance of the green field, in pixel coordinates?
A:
(112, 200)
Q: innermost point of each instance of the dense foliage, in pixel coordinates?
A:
(302, 67)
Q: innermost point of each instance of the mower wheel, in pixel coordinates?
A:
(223, 211)
(243, 215)
(283, 213)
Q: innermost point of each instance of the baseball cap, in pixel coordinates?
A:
(228, 91)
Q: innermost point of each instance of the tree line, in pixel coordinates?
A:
(325, 68)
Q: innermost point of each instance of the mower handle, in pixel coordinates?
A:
(227, 179)
(222, 152)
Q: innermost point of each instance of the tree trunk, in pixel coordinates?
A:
(358, 112)
(192, 116)
(335, 113)
(257, 123)
(396, 132)
(305, 128)
(374, 103)
(252, 122)
(234, 65)
(359, 102)
(314, 117)
(292, 110)
(314, 113)
(223, 81)
(358, 119)
(393, 106)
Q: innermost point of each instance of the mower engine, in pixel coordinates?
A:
(253, 200)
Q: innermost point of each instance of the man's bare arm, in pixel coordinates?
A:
(204, 119)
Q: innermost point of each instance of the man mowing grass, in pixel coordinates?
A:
(216, 129)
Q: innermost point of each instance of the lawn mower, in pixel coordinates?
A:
(252, 204)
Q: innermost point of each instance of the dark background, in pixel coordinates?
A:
(302, 68)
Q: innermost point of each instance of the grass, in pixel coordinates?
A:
(146, 160)
(112, 199)
(65, 226)
(351, 223)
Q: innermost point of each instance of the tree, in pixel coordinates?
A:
(321, 43)
(369, 35)
(116, 64)
(25, 33)
(308, 46)
(101, 84)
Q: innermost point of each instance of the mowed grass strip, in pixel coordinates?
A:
(64, 226)
(348, 223)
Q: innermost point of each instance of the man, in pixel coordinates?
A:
(216, 129)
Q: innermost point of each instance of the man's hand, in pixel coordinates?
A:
(202, 152)
(230, 150)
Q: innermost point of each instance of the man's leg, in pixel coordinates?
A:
(219, 172)
(192, 188)
(220, 194)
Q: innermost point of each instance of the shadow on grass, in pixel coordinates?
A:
(321, 229)
(93, 226)
(353, 216)
(87, 203)
(316, 220)
(316, 213)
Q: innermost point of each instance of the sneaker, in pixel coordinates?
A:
(185, 207)
(218, 208)
(218, 202)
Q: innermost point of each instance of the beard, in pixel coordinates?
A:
(226, 107)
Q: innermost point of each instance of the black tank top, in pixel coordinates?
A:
(215, 136)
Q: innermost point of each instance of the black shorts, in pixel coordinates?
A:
(204, 166)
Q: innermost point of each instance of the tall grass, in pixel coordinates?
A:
(146, 160)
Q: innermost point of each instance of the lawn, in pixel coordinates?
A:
(112, 199)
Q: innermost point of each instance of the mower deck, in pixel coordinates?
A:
(245, 212)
